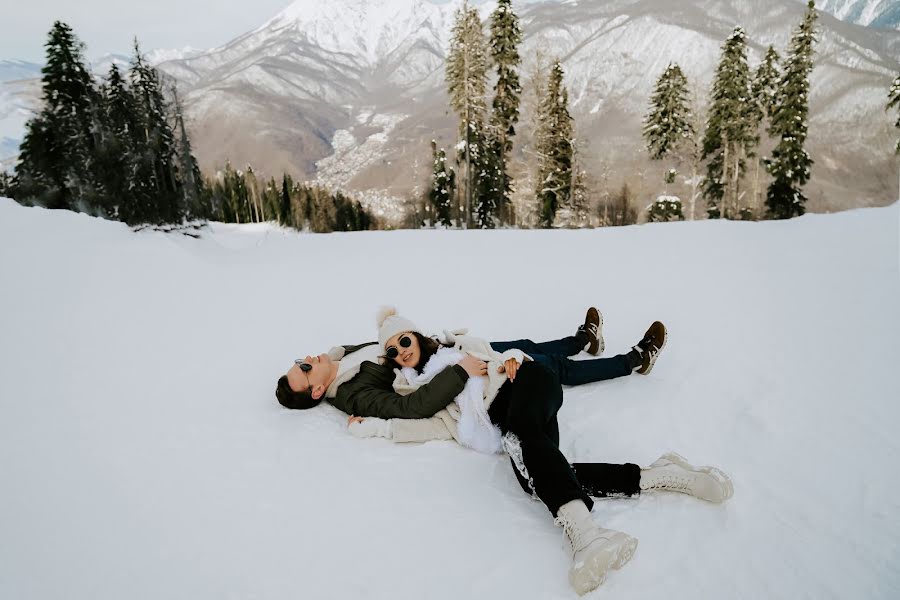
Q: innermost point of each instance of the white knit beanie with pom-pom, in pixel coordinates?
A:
(390, 324)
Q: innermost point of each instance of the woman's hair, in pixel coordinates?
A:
(427, 347)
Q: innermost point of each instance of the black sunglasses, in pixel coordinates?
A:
(304, 366)
(392, 351)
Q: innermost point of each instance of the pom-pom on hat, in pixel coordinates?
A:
(390, 324)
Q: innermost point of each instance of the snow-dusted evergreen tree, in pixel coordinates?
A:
(728, 132)
(5, 185)
(154, 176)
(554, 144)
(665, 208)
(894, 102)
(790, 163)
(668, 127)
(506, 35)
(190, 177)
(285, 212)
(443, 180)
(764, 91)
(115, 147)
(466, 73)
(56, 165)
(668, 123)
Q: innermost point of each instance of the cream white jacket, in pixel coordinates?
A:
(445, 424)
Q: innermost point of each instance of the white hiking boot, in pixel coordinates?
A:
(594, 550)
(672, 472)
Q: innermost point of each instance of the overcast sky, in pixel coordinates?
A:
(107, 26)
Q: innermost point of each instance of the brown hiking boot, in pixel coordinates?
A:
(650, 347)
(592, 331)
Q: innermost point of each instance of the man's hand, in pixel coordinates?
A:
(353, 419)
(473, 366)
(511, 366)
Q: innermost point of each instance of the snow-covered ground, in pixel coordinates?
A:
(143, 455)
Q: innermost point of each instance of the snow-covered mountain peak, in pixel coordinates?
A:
(367, 28)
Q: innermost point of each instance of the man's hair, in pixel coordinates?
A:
(288, 398)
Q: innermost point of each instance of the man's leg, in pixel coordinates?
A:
(588, 336)
(579, 372)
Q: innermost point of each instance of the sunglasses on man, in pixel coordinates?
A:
(392, 352)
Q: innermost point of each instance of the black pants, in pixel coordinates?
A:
(527, 407)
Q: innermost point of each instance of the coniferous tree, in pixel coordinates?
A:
(668, 127)
(117, 148)
(155, 179)
(894, 102)
(56, 165)
(665, 208)
(285, 214)
(467, 65)
(443, 180)
(764, 93)
(191, 180)
(790, 163)
(506, 35)
(5, 185)
(669, 121)
(728, 133)
(555, 148)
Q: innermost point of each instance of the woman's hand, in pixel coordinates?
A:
(473, 366)
(353, 419)
(511, 366)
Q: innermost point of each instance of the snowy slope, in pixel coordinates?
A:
(143, 454)
(875, 13)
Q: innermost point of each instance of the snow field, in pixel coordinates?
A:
(143, 454)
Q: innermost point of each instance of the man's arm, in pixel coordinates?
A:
(371, 394)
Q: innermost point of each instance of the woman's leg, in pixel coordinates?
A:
(604, 480)
(526, 408)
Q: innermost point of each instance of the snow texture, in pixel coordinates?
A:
(143, 454)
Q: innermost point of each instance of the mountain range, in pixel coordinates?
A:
(351, 92)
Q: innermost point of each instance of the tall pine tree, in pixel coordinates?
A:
(443, 181)
(790, 163)
(764, 92)
(466, 73)
(668, 127)
(506, 35)
(669, 121)
(894, 102)
(154, 176)
(117, 150)
(729, 135)
(555, 148)
(56, 165)
(189, 170)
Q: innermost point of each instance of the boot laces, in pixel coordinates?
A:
(671, 481)
(574, 535)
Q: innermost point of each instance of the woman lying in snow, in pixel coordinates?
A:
(512, 404)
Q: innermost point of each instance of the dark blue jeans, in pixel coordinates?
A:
(554, 355)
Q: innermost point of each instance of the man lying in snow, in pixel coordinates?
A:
(475, 392)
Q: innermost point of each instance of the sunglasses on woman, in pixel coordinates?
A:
(392, 351)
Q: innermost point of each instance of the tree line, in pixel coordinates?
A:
(119, 149)
(746, 158)
(742, 105)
